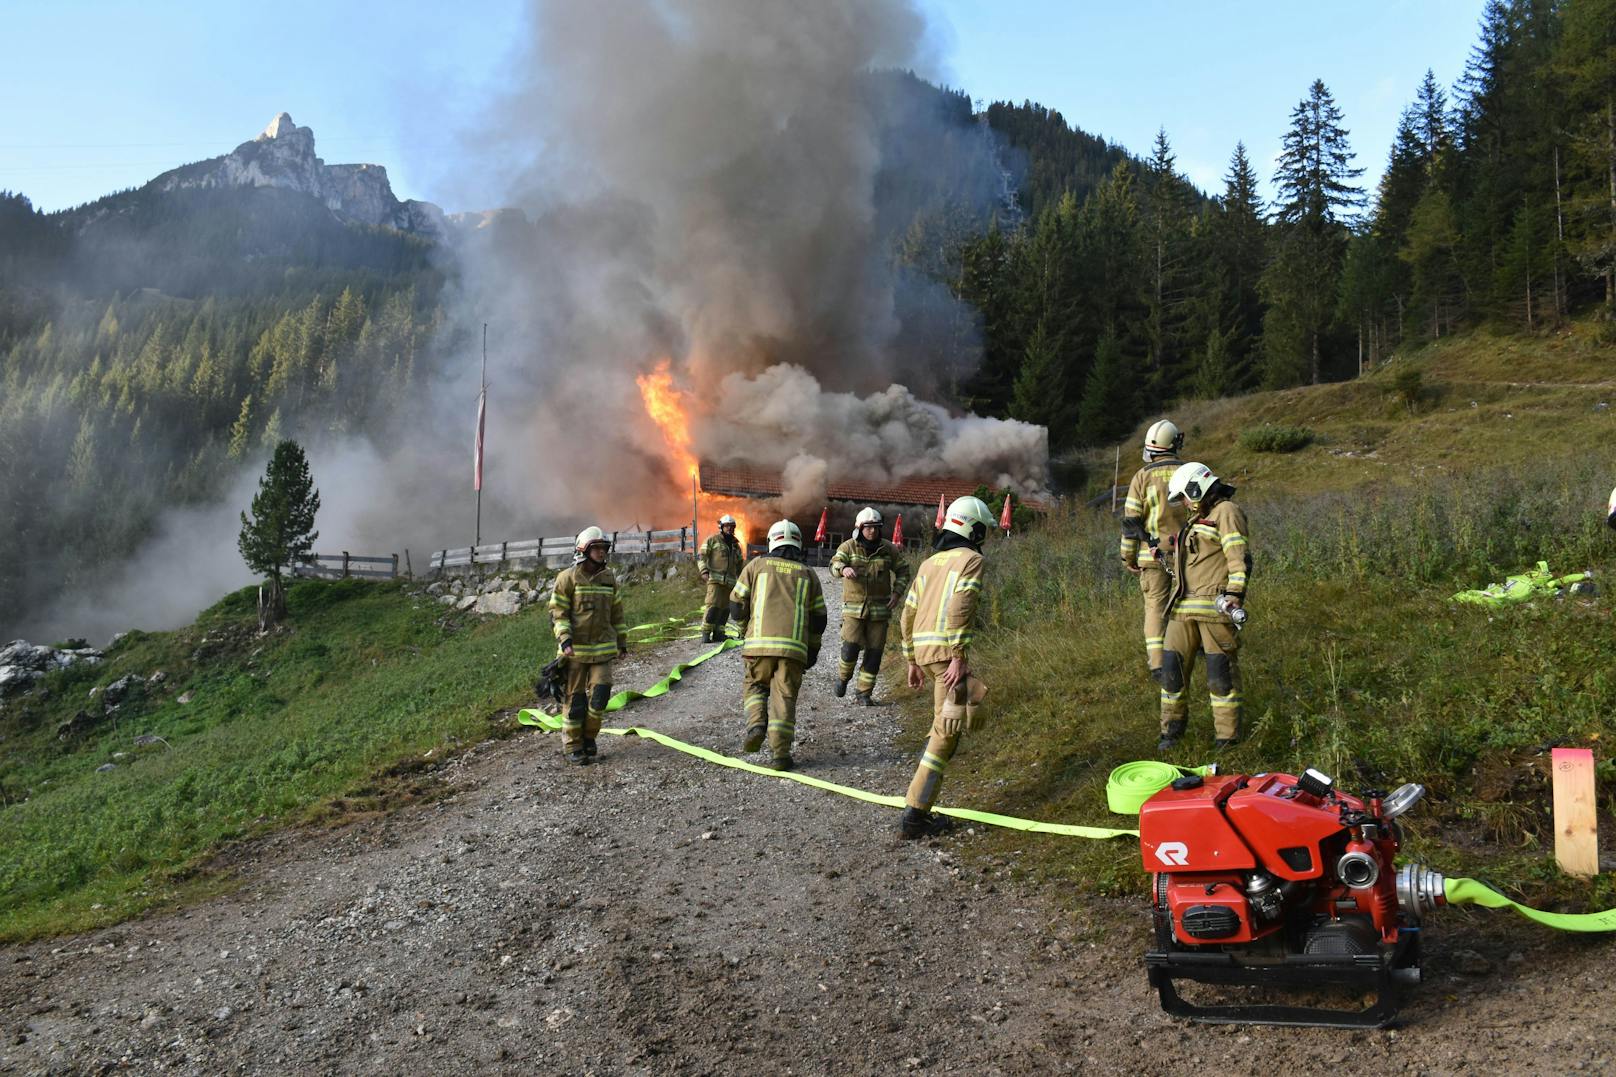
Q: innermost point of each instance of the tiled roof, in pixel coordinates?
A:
(754, 482)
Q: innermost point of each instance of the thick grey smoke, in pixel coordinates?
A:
(706, 187)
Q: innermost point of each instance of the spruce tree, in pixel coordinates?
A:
(1109, 403)
(1316, 196)
(280, 533)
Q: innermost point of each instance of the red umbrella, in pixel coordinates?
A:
(897, 530)
(824, 516)
(1004, 517)
(938, 525)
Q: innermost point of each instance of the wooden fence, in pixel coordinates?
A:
(340, 566)
(677, 541)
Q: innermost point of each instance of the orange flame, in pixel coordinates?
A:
(668, 407)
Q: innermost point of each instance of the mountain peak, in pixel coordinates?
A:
(282, 124)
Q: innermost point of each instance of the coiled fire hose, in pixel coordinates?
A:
(1126, 790)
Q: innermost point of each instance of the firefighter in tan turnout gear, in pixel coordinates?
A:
(719, 564)
(780, 609)
(586, 613)
(937, 623)
(874, 577)
(1211, 565)
(1148, 515)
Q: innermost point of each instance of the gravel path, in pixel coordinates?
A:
(653, 914)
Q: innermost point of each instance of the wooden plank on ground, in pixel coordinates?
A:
(1576, 828)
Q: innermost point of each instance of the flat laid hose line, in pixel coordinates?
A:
(1126, 790)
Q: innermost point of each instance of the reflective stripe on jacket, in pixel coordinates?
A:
(939, 612)
(1213, 558)
(1147, 502)
(782, 608)
(880, 573)
(720, 559)
(587, 609)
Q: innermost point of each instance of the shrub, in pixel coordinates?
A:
(1270, 438)
(1408, 385)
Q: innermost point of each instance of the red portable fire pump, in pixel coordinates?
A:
(1272, 880)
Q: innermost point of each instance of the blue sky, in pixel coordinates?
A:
(103, 95)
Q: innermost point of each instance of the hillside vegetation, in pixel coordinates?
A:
(344, 710)
(1355, 660)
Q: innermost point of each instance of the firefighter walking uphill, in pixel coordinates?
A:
(874, 577)
(780, 608)
(586, 613)
(1212, 562)
(1147, 515)
(719, 564)
(937, 624)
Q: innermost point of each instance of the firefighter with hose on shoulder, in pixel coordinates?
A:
(586, 614)
(780, 608)
(1212, 563)
(874, 577)
(938, 624)
(1148, 515)
(719, 564)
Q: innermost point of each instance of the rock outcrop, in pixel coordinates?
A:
(22, 663)
(283, 156)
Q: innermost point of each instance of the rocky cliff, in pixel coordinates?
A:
(283, 156)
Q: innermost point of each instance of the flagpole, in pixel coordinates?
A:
(481, 402)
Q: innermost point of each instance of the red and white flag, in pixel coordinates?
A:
(824, 517)
(477, 455)
(939, 524)
(1004, 517)
(897, 530)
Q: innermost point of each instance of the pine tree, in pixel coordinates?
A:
(241, 430)
(1234, 252)
(1316, 193)
(280, 533)
(1109, 405)
(1588, 61)
(1166, 226)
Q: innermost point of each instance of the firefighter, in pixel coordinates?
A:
(1148, 515)
(937, 623)
(780, 608)
(719, 563)
(1212, 561)
(874, 577)
(586, 613)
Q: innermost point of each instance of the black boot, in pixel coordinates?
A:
(841, 688)
(1170, 736)
(754, 738)
(917, 823)
(782, 762)
(589, 749)
(578, 757)
(861, 698)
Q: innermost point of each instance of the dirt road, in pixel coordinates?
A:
(654, 914)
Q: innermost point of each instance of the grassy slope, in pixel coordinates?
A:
(1355, 661)
(335, 714)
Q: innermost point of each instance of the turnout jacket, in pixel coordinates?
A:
(1213, 558)
(881, 571)
(720, 560)
(781, 607)
(587, 609)
(939, 612)
(1147, 502)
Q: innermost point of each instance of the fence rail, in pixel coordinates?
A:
(340, 566)
(679, 540)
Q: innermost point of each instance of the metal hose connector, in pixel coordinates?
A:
(1419, 891)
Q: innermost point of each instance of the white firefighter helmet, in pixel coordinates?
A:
(589, 536)
(1193, 481)
(969, 518)
(726, 520)
(1161, 439)
(1610, 510)
(784, 533)
(867, 516)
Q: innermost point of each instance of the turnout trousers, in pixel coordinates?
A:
(952, 713)
(1157, 588)
(1220, 644)
(869, 636)
(770, 701)
(717, 603)
(589, 687)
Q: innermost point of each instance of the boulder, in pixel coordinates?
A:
(118, 689)
(502, 603)
(435, 588)
(467, 602)
(15, 680)
(448, 600)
